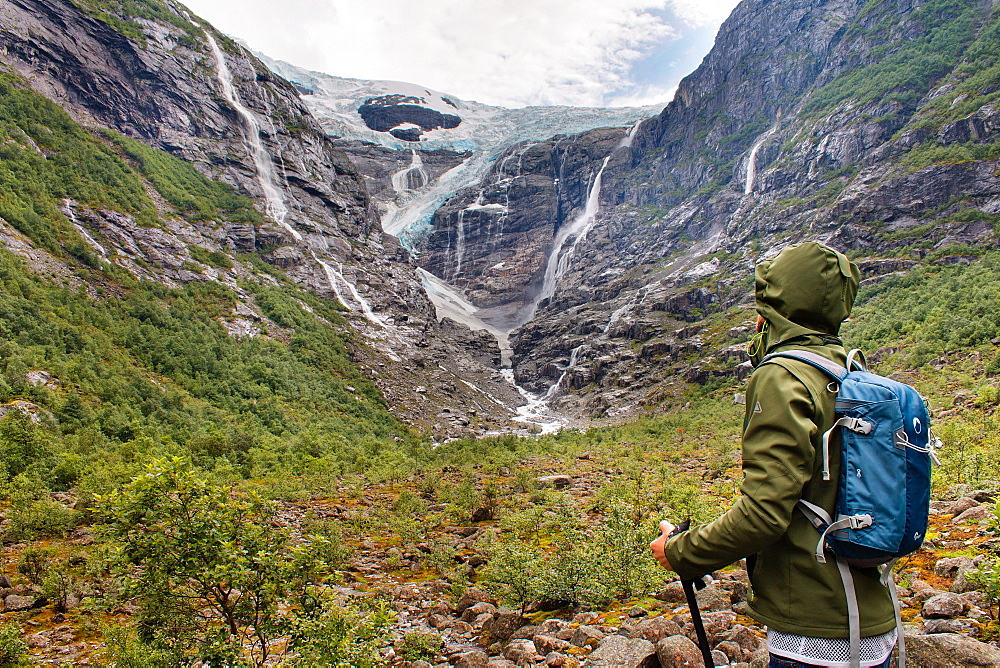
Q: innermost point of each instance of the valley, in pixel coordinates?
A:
(299, 369)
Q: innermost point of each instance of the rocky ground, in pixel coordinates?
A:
(944, 613)
(948, 619)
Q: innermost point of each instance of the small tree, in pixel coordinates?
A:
(207, 566)
(512, 572)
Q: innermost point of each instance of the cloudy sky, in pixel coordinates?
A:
(507, 52)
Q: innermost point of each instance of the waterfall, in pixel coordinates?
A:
(459, 243)
(622, 310)
(558, 261)
(83, 233)
(629, 136)
(336, 278)
(275, 205)
(752, 159)
(569, 367)
(535, 412)
(402, 179)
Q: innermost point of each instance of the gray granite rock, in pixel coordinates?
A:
(622, 652)
(948, 650)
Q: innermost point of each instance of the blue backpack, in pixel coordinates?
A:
(883, 495)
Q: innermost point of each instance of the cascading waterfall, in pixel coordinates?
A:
(459, 243)
(569, 367)
(752, 159)
(86, 235)
(622, 310)
(558, 261)
(335, 276)
(274, 202)
(627, 139)
(403, 179)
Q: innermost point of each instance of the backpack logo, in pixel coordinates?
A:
(917, 425)
(757, 408)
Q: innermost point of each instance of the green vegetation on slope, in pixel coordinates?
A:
(151, 370)
(185, 188)
(45, 156)
(118, 14)
(946, 28)
(930, 311)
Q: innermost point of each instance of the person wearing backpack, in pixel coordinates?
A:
(802, 296)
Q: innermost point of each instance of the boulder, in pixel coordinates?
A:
(654, 629)
(742, 636)
(559, 659)
(521, 651)
(552, 626)
(732, 650)
(439, 621)
(622, 652)
(500, 662)
(947, 650)
(473, 659)
(548, 644)
(984, 495)
(673, 592)
(15, 603)
(947, 604)
(677, 651)
(715, 599)
(946, 626)
(950, 567)
(717, 623)
(975, 514)
(557, 481)
(471, 597)
(481, 608)
(960, 506)
(587, 636)
(503, 625)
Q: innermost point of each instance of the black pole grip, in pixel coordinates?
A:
(692, 601)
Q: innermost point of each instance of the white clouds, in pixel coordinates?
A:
(703, 12)
(509, 52)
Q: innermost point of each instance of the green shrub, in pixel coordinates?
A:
(420, 646)
(13, 650)
(187, 546)
(333, 634)
(35, 563)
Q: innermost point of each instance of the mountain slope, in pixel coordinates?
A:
(145, 78)
(869, 125)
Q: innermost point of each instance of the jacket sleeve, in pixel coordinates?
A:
(778, 458)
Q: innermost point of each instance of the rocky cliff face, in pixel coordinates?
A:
(871, 126)
(494, 240)
(154, 77)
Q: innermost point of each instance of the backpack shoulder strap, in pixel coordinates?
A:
(830, 368)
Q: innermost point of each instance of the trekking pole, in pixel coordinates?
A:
(692, 601)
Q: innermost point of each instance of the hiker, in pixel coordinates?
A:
(802, 297)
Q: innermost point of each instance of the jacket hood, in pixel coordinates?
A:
(806, 289)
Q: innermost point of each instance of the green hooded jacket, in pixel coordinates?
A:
(804, 294)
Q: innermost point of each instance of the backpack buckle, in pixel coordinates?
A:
(860, 521)
(858, 426)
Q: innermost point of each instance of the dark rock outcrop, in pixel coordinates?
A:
(388, 112)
